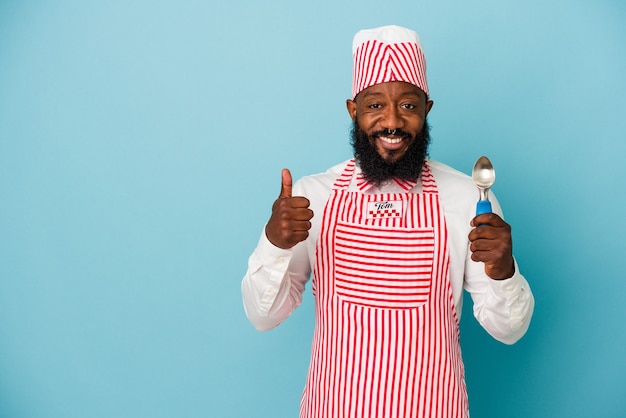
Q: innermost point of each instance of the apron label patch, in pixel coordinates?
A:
(384, 209)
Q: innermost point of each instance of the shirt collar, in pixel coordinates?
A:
(365, 185)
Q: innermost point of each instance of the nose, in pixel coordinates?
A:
(391, 119)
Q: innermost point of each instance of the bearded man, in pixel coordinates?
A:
(391, 239)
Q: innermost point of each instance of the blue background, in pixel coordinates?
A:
(141, 144)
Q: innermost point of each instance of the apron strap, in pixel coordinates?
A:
(343, 181)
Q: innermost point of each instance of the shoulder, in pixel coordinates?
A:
(320, 183)
(449, 178)
(317, 187)
(446, 173)
(456, 189)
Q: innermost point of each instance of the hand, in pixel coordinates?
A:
(290, 220)
(491, 243)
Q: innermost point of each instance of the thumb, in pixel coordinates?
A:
(286, 183)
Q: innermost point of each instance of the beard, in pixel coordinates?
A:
(378, 170)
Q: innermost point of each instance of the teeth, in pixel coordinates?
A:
(391, 140)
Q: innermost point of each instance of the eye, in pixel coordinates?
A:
(375, 106)
(408, 106)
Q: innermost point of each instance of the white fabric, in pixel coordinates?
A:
(388, 34)
(275, 281)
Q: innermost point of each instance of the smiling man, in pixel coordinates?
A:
(390, 133)
(390, 240)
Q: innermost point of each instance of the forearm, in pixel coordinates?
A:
(273, 285)
(503, 307)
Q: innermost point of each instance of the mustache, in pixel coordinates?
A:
(387, 132)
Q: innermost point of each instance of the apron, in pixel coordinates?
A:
(386, 339)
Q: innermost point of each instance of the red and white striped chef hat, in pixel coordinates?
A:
(387, 53)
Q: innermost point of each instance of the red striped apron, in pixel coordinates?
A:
(386, 339)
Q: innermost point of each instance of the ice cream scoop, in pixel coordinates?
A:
(484, 176)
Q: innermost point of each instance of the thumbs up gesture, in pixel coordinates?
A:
(291, 216)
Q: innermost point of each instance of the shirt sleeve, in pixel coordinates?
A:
(273, 285)
(502, 307)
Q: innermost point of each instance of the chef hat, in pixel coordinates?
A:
(387, 53)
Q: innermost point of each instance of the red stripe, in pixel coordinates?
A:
(376, 62)
(371, 356)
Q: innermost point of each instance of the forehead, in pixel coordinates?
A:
(392, 90)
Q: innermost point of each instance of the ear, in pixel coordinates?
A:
(351, 106)
(429, 105)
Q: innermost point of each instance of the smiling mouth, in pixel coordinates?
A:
(392, 141)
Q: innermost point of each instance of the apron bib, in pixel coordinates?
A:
(386, 339)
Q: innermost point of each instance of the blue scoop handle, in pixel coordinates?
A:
(483, 206)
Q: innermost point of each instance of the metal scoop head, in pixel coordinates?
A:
(483, 174)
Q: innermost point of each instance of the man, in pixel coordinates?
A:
(391, 239)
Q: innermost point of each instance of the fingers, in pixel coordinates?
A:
(491, 243)
(289, 205)
(490, 251)
(497, 256)
(286, 183)
(487, 237)
(290, 222)
(488, 225)
(292, 209)
(488, 219)
(291, 216)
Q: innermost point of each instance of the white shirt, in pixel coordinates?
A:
(275, 281)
